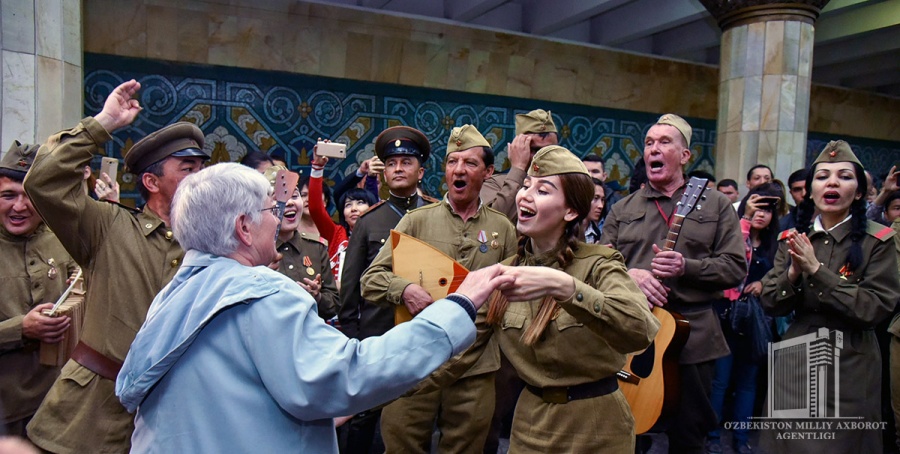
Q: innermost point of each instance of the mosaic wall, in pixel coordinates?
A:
(243, 110)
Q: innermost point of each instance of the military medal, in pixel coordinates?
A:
(494, 243)
(482, 238)
(52, 272)
(308, 264)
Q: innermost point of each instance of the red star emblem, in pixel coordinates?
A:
(458, 142)
(535, 167)
(22, 163)
(832, 154)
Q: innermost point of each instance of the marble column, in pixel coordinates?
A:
(764, 81)
(41, 88)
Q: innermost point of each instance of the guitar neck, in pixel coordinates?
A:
(674, 231)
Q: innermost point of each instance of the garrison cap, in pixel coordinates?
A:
(537, 121)
(182, 139)
(678, 123)
(18, 160)
(402, 140)
(837, 151)
(555, 160)
(271, 172)
(464, 137)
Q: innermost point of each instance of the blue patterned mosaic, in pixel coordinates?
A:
(241, 110)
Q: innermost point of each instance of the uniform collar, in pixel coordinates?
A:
(149, 222)
(446, 202)
(10, 237)
(549, 258)
(648, 192)
(839, 231)
(404, 203)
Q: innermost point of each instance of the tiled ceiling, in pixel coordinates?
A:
(857, 43)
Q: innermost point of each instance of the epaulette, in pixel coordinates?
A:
(783, 235)
(131, 210)
(429, 199)
(879, 231)
(423, 207)
(372, 208)
(587, 250)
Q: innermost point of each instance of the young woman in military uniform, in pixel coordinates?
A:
(837, 271)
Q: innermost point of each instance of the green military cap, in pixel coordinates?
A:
(837, 151)
(464, 137)
(537, 121)
(402, 140)
(18, 159)
(555, 160)
(180, 139)
(678, 123)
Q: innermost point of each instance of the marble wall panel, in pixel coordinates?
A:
(71, 32)
(18, 25)
(18, 97)
(791, 47)
(750, 110)
(775, 43)
(72, 107)
(788, 103)
(49, 29)
(770, 103)
(49, 96)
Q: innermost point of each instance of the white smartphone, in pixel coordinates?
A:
(331, 149)
(110, 166)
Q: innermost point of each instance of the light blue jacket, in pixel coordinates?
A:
(235, 359)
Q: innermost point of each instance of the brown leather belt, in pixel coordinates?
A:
(96, 362)
(566, 394)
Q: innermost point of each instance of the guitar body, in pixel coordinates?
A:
(423, 264)
(649, 379)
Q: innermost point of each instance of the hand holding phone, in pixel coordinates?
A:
(331, 149)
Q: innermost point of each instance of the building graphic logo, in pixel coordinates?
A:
(804, 376)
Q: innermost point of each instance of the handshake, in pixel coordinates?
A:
(516, 283)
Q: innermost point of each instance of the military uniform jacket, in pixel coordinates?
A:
(33, 271)
(302, 255)
(851, 303)
(713, 249)
(360, 318)
(499, 192)
(439, 226)
(127, 257)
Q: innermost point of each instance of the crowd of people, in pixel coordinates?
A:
(218, 319)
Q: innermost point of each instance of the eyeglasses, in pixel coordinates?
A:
(273, 209)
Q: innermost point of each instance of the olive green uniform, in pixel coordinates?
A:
(305, 258)
(33, 271)
(127, 258)
(713, 249)
(463, 408)
(499, 192)
(851, 303)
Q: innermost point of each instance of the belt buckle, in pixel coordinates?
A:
(555, 395)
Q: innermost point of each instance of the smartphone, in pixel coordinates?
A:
(110, 166)
(331, 149)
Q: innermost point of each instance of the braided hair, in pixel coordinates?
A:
(578, 191)
(858, 223)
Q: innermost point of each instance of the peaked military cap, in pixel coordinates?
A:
(555, 160)
(678, 123)
(18, 160)
(837, 151)
(537, 121)
(402, 140)
(464, 137)
(182, 139)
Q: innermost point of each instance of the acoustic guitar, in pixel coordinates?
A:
(421, 263)
(650, 379)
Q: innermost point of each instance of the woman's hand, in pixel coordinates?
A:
(753, 205)
(533, 282)
(803, 256)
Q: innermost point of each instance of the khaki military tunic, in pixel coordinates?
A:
(127, 258)
(466, 405)
(851, 303)
(305, 258)
(713, 248)
(894, 329)
(33, 271)
(499, 192)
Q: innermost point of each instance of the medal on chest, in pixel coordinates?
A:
(307, 262)
(53, 271)
(482, 238)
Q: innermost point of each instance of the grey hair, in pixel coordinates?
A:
(208, 202)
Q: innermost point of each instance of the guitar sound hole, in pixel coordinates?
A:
(642, 365)
(442, 282)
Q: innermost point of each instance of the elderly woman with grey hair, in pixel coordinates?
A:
(232, 356)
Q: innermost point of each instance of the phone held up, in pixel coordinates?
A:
(331, 149)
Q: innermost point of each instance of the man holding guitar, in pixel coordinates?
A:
(707, 259)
